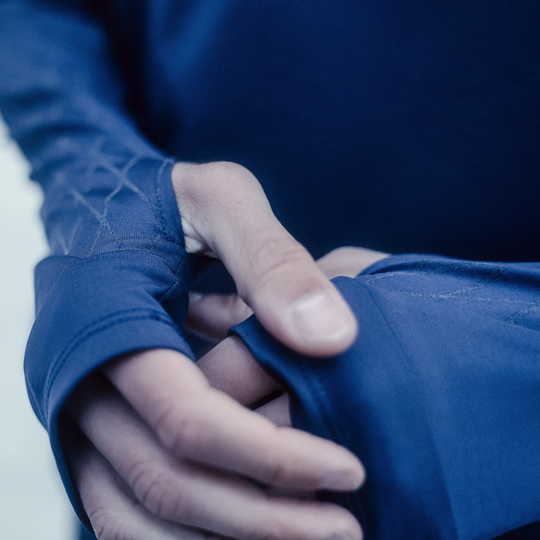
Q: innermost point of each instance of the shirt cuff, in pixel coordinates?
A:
(438, 396)
(96, 309)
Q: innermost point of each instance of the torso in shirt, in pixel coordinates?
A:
(404, 126)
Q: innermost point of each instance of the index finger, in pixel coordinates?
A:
(205, 425)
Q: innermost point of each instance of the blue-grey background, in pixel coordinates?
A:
(32, 502)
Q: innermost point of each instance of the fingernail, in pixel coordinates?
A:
(320, 317)
(342, 481)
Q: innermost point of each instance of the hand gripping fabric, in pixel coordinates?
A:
(439, 396)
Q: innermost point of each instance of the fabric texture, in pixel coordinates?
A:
(438, 397)
(397, 126)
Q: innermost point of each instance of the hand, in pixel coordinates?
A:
(211, 315)
(225, 214)
(170, 457)
(229, 366)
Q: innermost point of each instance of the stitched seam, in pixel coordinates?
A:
(157, 185)
(76, 260)
(494, 273)
(177, 279)
(123, 182)
(457, 295)
(321, 398)
(73, 260)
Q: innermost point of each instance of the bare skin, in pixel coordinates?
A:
(172, 450)
(211, 315)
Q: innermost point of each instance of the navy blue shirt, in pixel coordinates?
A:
(403, 126)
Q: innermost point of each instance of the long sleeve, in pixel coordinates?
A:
(439, 396)
(116, 277)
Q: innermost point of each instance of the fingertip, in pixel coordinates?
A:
(346, 527)
(344, 480)
(347, 474)
(322, 324)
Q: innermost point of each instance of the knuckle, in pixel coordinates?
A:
(179, 429)
(159, 491)
(216, 180)
(274, 472)
(199, 182)
(222, 170)
(105, 525)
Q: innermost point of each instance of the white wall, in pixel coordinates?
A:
(32, 501)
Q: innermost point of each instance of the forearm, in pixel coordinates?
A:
(115, 280)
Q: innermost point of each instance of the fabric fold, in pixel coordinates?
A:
(438, 397)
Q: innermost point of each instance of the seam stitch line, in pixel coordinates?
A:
(157, 185)
(457, 295)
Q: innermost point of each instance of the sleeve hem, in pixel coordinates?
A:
(124, 333)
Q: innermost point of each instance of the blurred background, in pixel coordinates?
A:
(33, 505)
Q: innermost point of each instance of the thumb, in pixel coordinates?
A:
(225, 213)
